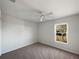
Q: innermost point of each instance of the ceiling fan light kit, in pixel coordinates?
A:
(41, 19)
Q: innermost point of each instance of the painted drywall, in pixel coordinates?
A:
(17, 33)
(0, 32)
(46, 33)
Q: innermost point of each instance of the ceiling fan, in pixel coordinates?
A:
(42, 14)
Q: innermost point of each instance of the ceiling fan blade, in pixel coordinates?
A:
(48, 14)
(35, 11)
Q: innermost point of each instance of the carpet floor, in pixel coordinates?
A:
(39, 51)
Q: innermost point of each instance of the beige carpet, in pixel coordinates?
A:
(39, 51)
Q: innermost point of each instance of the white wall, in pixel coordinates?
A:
(17, 33)
(46, 33)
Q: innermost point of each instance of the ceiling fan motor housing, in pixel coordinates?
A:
(13, 1)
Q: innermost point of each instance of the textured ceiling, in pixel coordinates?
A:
(27, 9)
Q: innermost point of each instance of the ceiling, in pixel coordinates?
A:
(27, 9)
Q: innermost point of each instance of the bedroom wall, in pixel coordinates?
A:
(46, 33)
(17, 33)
